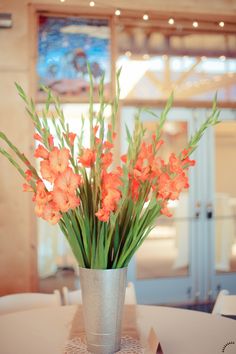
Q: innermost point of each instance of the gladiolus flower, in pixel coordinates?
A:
(103, 215)
(159, 143)
(97, 141)
(71, 137)
(68, 181)
(135, 189)
(46, 171)
(111, 180)
(27, 188)
(51, 141)
(64, 200)
(165, 211)
(107, 160)
(41, 152)
(87, 158)
(28, 175)
(42, 196)
(59, 160)
(123, 158)
(38, 137)
(50, 214)
(107, 145)
(95, 129)
(38, 209)
(111, 199)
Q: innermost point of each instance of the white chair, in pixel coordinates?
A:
(75, 297)
(225, 304)
(27, 301)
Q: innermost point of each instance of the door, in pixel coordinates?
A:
(220, 227)
(164, 270)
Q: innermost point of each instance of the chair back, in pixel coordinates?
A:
(225, 304)
(75, 297)
(27, 301)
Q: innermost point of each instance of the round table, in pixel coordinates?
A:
(46, 330)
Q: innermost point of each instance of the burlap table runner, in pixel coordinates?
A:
(129, 330)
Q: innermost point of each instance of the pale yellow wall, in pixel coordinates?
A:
(17, 233)
(18, 270)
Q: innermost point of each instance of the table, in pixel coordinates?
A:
(45, 331)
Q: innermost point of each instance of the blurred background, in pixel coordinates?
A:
(185, 47)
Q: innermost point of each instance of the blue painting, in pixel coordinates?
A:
(65, 46)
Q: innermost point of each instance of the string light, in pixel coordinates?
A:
(222, 58)
(62, 0)
(146, 56)
(171, 21)
(128, 54)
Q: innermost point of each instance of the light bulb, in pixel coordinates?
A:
(146, 56)
(128, 53)
(145, 17)
(171, 21)
(195, 24)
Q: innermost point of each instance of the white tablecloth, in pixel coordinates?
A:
(45, 331)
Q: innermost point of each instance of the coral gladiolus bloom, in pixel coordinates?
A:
(111, 199)
(46, 171)
(103, 215)
(64, 200)
(42, 196)
(165, 211)
(50, 214)
(87, 158)
(27, 188)
(38, 137)
(107, 145)
(51, 141)
(59, 160)
(68, 181)
(41, 152)
(28, 175)
(107, 160)
(71, 137)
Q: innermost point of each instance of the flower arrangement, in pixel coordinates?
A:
(105, 212)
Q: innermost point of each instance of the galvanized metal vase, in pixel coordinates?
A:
(103, 294)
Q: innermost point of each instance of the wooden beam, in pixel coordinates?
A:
(205, 86)
(186, 74)
(177, 103)
(153, 78)
(167, 85)
(157, 11)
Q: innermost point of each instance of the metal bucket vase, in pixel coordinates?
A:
(103, 294)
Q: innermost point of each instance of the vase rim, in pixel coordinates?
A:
(106, 270)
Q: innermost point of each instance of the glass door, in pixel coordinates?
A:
(221, 205)
(164, 268)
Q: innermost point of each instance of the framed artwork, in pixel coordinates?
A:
(65, 46)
